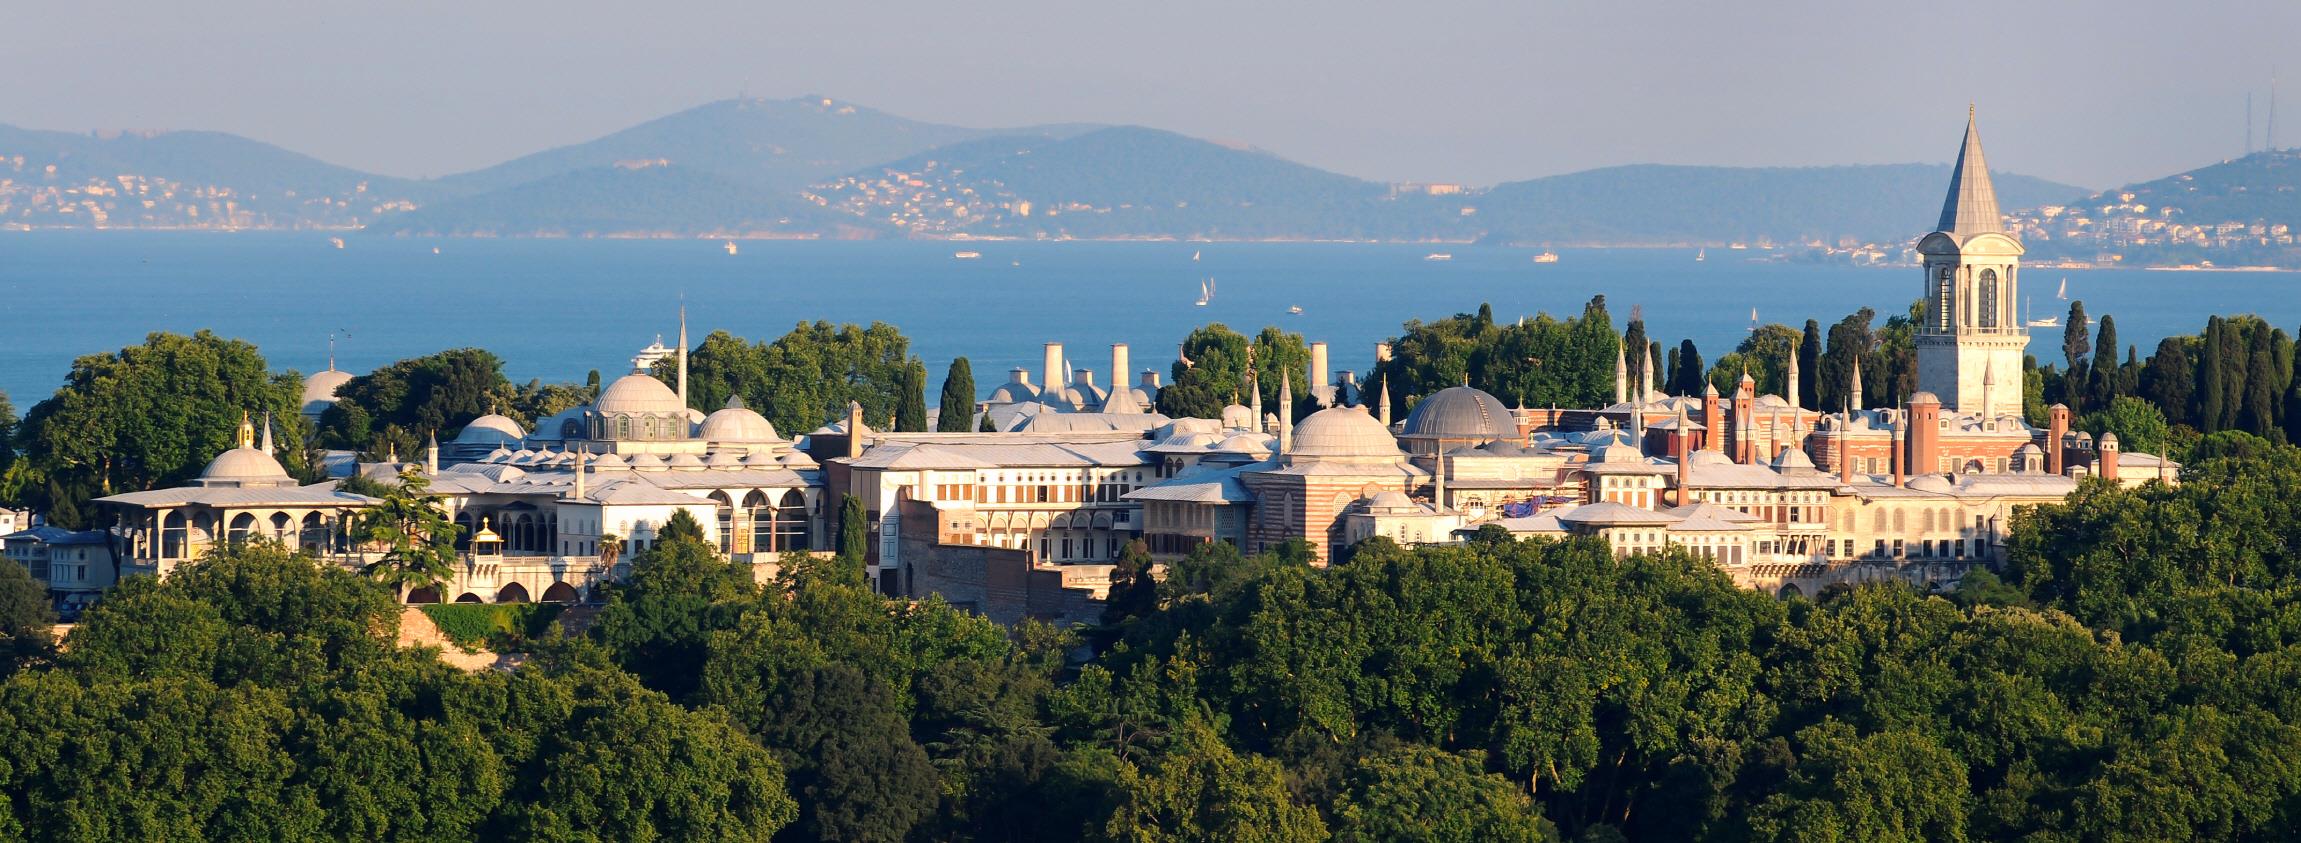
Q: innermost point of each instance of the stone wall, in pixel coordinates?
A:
(1001, 583)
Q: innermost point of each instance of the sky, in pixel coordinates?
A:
(2091, 93)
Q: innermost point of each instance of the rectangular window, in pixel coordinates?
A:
(1898, 549)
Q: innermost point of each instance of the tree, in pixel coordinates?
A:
(148, 416)
(418, 540)
(911, 402)
(851, 760)
(1686, 379)
(2213, 387)
(2139, 425)
(956, 409)
(2108, 379)
(1419, 793)
(2074, 343)
(803, 378)
(423, 396)
(1205, 791)
(25, 618)
(1634, 341)
(682, 527)
(1850, 344)
(1134, 592)
(659, 623)
(2262, 390)
(2169, 380)
(1809, 367)
(1765, 354)
(854, 533)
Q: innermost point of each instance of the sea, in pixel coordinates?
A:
(555, 309)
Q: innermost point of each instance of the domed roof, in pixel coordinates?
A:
(685, 462)
(761, 458)
(608, 462)
(245, 464)
(1925, 398)
(1013, 393)
(1342, 432)
(638, 393)
(1458, 412)
(724, 459)
(647, 462)
(1389, 501)
(490, 429)
(321, 387)
(736, 423)
(1619, 453)
(1240, 443)
(799, 459)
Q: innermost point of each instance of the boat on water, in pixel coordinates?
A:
(1737, 246)
(1296, 310)
(435, 250)
(1547, 256)
(730, 247)
(966, 255)
(1701, 255)
(1438, 256)
(2063, 294)
(1205, 291)
(1194, 257)
(337, 242)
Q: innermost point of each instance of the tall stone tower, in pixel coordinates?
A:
(1972, 288)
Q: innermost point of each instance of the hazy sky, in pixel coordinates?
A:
(2094, 93)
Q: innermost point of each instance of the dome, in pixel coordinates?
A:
(1241, 443)
(798, 459)
(647, 462)
(1390, 501)
(320, 388)
(245, 464)
(490, 429)
(1792, 459)
(637, 393)
(685, 462)
(724, 459)
(497, 455)
(736, 423)
(1925, 398)
(761, 458)
(608, 462)
(1459, 412)
(1619, 453)
(2108, 441)
(1343, 432)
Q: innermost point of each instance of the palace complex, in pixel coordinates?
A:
(1026, 518)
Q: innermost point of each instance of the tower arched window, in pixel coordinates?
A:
(1944, 289)
(1988, 307)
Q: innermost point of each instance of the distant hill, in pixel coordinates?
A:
(773, 144)
(1126, 181)
(628, 201)
(190, 179)
(2241, 211)
(1659, 204)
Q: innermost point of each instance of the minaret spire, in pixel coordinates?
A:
(267, 446)
(1971, 207)
(683, 352)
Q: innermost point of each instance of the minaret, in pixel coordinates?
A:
(1382, 401)
(1790, 391)
(1682, 451)
(1713, 420)
(683, 355)
(1622, 377)
(1285, 411)
(267, 446)
(582, 467)
(1254, 401)
(1846, 446)
(431, 457)
(1989, 396)
(1653, 365)
(1854, 393)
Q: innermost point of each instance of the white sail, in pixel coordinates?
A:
(2064, 293)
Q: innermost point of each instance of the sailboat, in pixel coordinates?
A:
(1194, 257)
(2064, 293)
(1205, 291)
(1753, 320)
(730, 247)
(1701, 255)
(2047, 322)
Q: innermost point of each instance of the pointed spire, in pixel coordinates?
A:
(1971, 207)
(1382, 402)
(1653, 366)
(1790, 390)
(1622, 376)
(1285, 411)
(1854, 396)
(431, 456)
(683, 352)
(267, 446)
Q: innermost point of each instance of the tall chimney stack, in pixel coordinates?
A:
(1319, 376)
(2056, 430)
(1118, 365)
(1052, 375)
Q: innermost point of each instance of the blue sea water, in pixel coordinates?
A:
(555, 309)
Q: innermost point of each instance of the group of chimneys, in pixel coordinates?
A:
(1054, 365)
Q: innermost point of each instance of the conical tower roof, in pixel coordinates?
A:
(1971, 207)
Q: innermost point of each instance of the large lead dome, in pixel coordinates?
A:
(1460, 412)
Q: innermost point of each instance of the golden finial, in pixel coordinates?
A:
(247, 431)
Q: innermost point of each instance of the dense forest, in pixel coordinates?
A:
(2130, 677)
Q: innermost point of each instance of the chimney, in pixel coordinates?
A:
(2056, 431)
(1083, 377)
(1713, 420)
(1846, 446)
(1149, 378)
(1285, 412)
(1897, 452)
(1052, 375)
(582, 466)
(1680, 450)
(2105, 456)
(854, 429)
(1118, 365)
(1318, 373)
(1381, 352)
(1745, 420)
(1925, 434)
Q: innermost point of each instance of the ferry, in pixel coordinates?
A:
(730, 246)
(1438, 256)
(967, 255)
(1547, 256)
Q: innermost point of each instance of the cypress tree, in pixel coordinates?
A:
(854, 534)
(2105, 371)
(958, 391)
(2212, 387)
(2261, 393)
(1634, 343)
(1810, 367)
(2233, 363)
(2074, 344)
(1686, 379)
(911, 405)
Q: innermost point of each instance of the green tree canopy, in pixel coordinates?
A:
(956, 409)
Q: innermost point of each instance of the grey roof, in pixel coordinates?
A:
(1205, 485)
(318, 494)
(987, 451)
(53, 535)
(1460, 412)
(1611, 514)
(1971, 207)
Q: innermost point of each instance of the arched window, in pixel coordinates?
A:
(1987, 310)
(791, 522)
(1944, 291)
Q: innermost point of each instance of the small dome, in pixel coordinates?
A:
(1389, 501)
(1933, 483)
(637, 393)
(685, 462)
(762, 459)
(609, 462)
(497, 455)
(1619, 453)
(241, 464)
(647, 462)
(1241, 443)
(2108, 441)
(320, 389)
(1925, 398)
(736, 423)
(1343, 432)
(490, 429)
(1459, 412)
(724, 459)
(798, 459)
(1792, 459)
